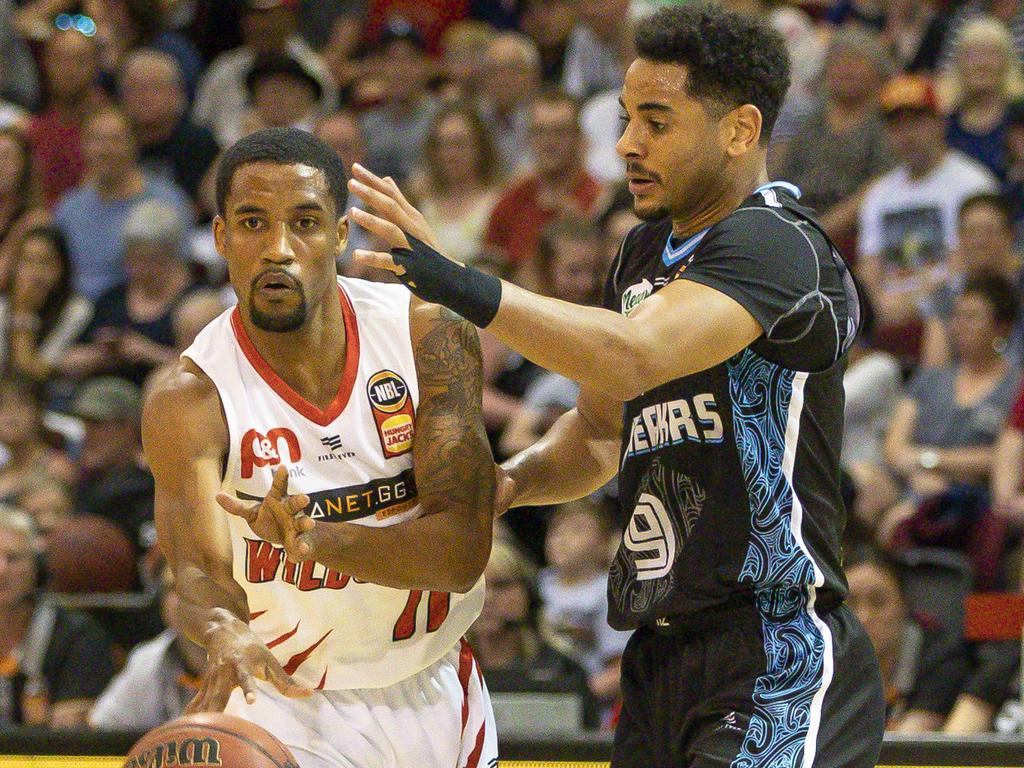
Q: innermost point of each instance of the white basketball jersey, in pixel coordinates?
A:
(354, 460)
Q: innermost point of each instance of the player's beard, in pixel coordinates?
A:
(279, 323)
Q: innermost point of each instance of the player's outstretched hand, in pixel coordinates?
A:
(391, 217)
(279, 518)
(237, 658)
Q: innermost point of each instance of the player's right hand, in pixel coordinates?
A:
(279, 518)
(236, 657)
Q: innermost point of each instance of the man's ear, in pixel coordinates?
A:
(740, 130)
(342, 235)
(219, 231)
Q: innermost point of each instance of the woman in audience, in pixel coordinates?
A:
(922, 662)
(53, 662)
(459, 180)
(986, 77)
(507, 641)
(29, 456)
(132, 331)
(942, 435)
(41, 316)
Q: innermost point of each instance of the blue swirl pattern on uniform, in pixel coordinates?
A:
(777, 568)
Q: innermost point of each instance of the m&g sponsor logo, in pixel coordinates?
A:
(392, 412)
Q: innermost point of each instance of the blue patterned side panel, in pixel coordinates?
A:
(777, 568)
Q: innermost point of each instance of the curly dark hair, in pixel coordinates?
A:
(731, 58)
(998, 292)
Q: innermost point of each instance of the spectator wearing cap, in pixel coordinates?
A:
(70, 64)
(131, 331)
(395, 131)
(281, 94)
(909, 215)
(112, 483)
(92, 215)
(268, 27)
(53, 662)
(511, 79)
(171, 146)
(986, 76)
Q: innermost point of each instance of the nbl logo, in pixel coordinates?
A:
(392, 412)
(259, 450)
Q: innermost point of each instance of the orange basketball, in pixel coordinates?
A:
(209, 739)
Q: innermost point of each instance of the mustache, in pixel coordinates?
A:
(638, 170)
(276, 272)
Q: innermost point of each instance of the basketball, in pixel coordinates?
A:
(210, 738)
(89, 554)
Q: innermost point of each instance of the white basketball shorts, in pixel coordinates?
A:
(439, 718)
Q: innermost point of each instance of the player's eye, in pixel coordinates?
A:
(656, 126)
(307, 222)
(623, 118)
(251, 222)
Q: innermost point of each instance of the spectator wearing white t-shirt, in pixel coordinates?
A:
(908, 220)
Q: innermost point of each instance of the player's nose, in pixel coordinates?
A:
(280, 246)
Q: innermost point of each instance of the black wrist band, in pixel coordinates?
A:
(467, 291)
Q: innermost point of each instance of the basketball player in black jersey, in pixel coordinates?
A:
(712, 384)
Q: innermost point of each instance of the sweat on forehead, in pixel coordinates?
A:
(283, 147)
(266, 184)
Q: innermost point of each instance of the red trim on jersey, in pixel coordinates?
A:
(297, 660)
(281, 387)
(256, 615)
(478, 748)
(323, 681)
(465, 671)
(278, 640)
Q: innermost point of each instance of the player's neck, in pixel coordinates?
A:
(311, 359)
(739, 187)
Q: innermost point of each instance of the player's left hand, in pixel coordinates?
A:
(279, 518)
(392, 217)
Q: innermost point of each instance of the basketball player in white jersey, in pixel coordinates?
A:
(341, 635)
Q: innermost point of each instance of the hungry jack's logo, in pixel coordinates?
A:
(392, 412)
(259, 450)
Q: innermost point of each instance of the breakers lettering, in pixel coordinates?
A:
(664, 424)
(260, 450)
(171, 754)
(263, 563)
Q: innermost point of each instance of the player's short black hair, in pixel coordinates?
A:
(998, 292)
(731, 58)
(283, 146)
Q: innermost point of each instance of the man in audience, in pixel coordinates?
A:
(92, 216)
(558, 186)
(53, 662)
(908, 217)
(71, 68)
(171, 146)
(549, 23)
(268, 27)
(598, 48)
(396, 130)
(343, 133)
(511, 78)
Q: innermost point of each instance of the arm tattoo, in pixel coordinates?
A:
(450, 450)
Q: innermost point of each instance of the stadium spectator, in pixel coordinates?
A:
(511, 78)
(41, 316)
(507, 640)
(984, 246)
(840, 147)
(598, 49)
(429, 18)
(71, 70)
(908, 217)
(558, 186)
(159, 678)
(19, 81)
(53, 662)
(171, 146)
(92, 215)
(914, 31)
(1013, 187)
(942, 435)
(395, 131)
(16, 198)
(461, 63)
(281, 94)
(922, 662)
(573, 590)
(549, 23)
(268, 27)
(131, 330)
(1009, 12)
(47, 501)
(458, 182)
(112, 482)
(986, 77)
(29, 456)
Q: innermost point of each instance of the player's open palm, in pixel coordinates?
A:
(279, 518)
(236, 657)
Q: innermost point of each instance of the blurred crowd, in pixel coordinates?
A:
(903, 127)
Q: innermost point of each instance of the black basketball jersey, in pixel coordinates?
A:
(729, 478)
